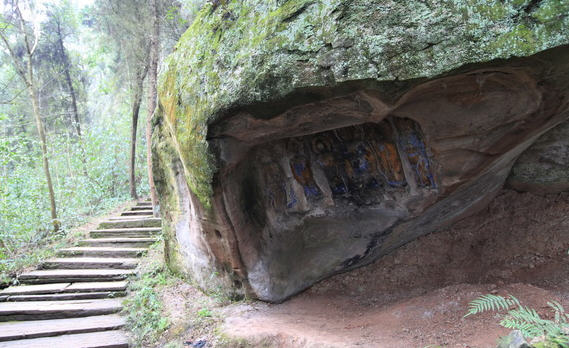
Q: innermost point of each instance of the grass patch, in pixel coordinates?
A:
(144, 308)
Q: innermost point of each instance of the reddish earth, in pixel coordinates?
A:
(417, 296)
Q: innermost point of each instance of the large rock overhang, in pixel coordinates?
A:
(329, 179)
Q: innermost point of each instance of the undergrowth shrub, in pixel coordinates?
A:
(526, 319)
(144, 309)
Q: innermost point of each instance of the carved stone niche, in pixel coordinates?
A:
(327, 186)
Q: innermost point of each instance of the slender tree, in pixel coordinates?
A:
(152, 94)
(67, 72)
(141, 73)
(22, 60)
(126, 23)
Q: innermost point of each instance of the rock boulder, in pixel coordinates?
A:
(298, 139)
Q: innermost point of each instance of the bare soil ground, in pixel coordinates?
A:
(417, 296)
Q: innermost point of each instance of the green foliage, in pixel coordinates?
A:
(144, 309)
(491, 302)
(90, 173)
(526, 319)
(204, 313)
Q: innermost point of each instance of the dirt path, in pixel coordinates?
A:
(417, 296)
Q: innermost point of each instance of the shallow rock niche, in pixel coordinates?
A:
(313, 188)
(328, 186)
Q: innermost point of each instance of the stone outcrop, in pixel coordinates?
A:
(298, 139)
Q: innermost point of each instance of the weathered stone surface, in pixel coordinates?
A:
(298, 139)
(544, 167)
(514, 340)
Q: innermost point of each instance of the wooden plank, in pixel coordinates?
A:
(131, 223)
(138, 212)
(105, 339)
(119, 242)
(141, 232)
(144, 207)
(103, 251)
(10, 331)
(89, 263)
(39, 310)
(65, 296)
(57, 288)
(130, 229)
(74, 275)
(131, 217)
(35, 289)
(97, 286)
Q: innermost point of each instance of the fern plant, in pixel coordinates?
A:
(526, 319)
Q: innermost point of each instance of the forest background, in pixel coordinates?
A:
(77, 88)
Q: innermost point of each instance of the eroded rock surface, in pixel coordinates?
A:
(278, 167)
(544, 167)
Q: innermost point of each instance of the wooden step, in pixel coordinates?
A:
(44, 328)
(130, 218)
(119, 242)
(98, 286)
(102, 252)
(63, 296)
(143, 204)
(34, 289)
(39, 310)
(89, 263)
(131, 223)
(55, 288)
(74, 275)
(138, 212)
(137, 232)
(141, 208)
(104, 339)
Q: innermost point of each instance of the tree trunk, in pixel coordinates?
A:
(43, 141)
(152, 94)
(67, 67)
(137, 100)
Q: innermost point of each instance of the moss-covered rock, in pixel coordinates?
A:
(248, 51)
(262, 58)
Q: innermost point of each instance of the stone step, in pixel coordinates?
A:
(89, 263)
(131, 223)
(54, 288)
(130, 218)
(63, 296)
(141, 208)
(137, 232)
(40, 310)
(74, 275)
(10, 331)
(138, 212)
(102, 252)
(104, 339)
(119, 242)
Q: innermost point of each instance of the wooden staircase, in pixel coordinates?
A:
(74, 300)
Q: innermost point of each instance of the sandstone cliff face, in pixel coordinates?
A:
(544, 167)
(297, 139)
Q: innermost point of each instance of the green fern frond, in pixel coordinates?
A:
(491, 302)
(561, 340)
(560, 315)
